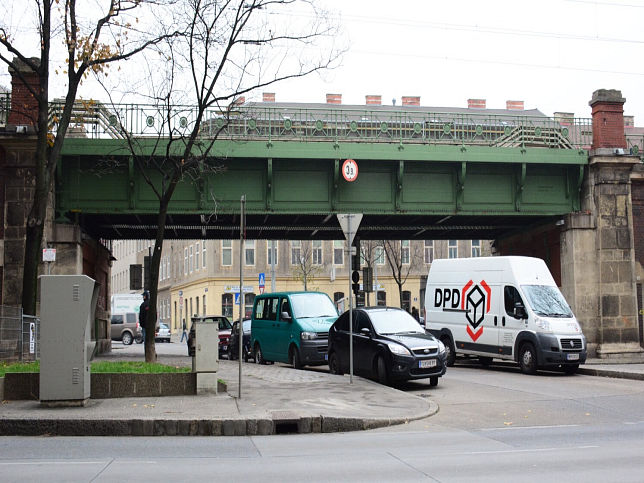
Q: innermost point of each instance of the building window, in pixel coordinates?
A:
(429, 251)
(406, 300)
(226, 252)
(338, 300)
(271, 254)
(338, 252)
(296, 252)
(197, 267)
(191, 258)
(452, 249)
(380, 255)
(249, 299)
(197, 306)
(404, 252)
(203, 255)
(204, 306)
(382, 298)
(316, 246)
(476, 248)
(227, 304)
(249, 252)
(185, 261)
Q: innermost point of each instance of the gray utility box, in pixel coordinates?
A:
(67, 310)
(206, 360)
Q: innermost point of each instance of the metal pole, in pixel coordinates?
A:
(273, 266)
(350, 311)
(242, 230)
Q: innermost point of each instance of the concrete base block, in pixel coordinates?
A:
(207, 383)
(630, 351)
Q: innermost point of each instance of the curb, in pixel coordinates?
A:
(608, 373)
(200, 427)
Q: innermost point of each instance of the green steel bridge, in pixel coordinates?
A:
(424, 173)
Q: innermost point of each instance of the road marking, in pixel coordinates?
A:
(533, 450)
(530, 427)
(25, 463)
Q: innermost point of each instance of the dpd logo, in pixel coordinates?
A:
(472, 300)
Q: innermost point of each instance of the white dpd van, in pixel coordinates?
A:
(502, 308)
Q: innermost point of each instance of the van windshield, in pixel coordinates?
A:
(546, 301)
(308, 305)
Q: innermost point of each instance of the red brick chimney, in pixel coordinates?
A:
(373, 100)
(476, 103)
(608, 119)
(239, 101)
(514, 105)
(24, 106)
(411, 100)
(334, 98)
(268, 97)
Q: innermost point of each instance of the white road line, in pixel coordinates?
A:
(507, 428)
(25, 463)
(533, 450)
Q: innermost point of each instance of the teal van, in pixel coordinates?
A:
(292, 327)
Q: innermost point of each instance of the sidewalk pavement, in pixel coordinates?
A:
(274, 399)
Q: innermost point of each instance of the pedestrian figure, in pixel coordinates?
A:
(184, 332)
(143, 312)
(415, 314)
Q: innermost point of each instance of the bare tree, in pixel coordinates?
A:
(228, 49)
(303, 267)
(401, 256)
(93, 39)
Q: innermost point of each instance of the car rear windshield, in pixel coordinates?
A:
(307, 305)
(394, 322)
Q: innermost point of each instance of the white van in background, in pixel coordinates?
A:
(502, 308)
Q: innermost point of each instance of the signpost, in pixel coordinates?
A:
(262, 282)
(349, 224)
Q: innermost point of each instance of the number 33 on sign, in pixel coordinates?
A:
(350, 170)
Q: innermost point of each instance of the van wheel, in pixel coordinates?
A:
(259, 357)
(449, 349)
(334, 364)
(528, 359)
(433, 381)
(485, 361)
(570, 368)
(296, 361)
(127, 338)
(382, 372)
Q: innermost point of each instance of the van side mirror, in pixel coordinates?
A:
(519, 311)
(365, 331)
(285, 316)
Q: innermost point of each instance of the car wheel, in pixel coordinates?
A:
(229, 353)
(450, 356)
(381, 369)
(485, 361)
(570, 368)
(433, 381)
(245, 355)
(139, 339)
(334, 364)
(127, 338)
(259, 357)
(296, 361)
(528, 359)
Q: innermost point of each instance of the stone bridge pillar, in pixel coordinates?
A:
(597, 246)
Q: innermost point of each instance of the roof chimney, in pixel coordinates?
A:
(476, 103)
(565, 118)
(239, 101)
(334, 98)
(411, 100)
(268, 97)
(24, 106)
(629, 121)
(608, 119)
(514, 105)
(373, 100)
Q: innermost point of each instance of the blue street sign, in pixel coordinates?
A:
(262, 279)
(236, 298)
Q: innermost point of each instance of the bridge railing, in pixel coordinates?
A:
(333, 124)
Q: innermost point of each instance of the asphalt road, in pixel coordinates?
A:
(494, 424)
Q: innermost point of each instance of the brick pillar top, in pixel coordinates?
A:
(334, 98)
(24, 106)
(411, 100)
(608, 119)
(268, 97)
(514, 105)
(476, 103)
(373, 99)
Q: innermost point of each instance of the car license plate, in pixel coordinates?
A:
(224, 347)
(427, 363)
(572, 357)
(326, 357)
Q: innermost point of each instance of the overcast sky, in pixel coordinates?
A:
(552, 54)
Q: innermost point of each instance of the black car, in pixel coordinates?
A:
(233, 343)
(389, 345)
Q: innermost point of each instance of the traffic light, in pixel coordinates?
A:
(367, 279)
(355, 257)
(136, 276)
(355, 278)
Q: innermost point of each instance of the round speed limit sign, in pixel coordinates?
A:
(350, 170)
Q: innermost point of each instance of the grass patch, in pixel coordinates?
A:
(136, 367)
